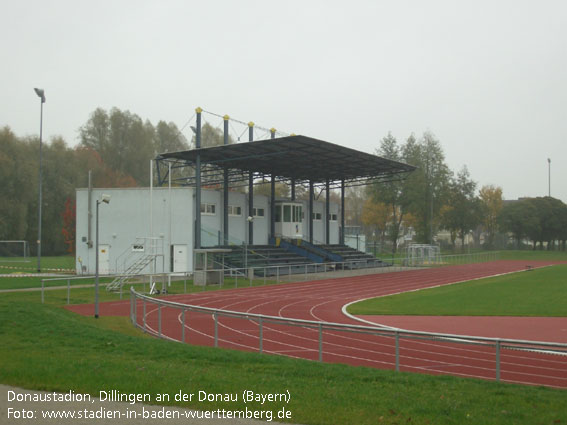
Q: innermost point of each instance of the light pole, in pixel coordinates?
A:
(549, 177)
(374, 236)
(106, 200)
(41, 95)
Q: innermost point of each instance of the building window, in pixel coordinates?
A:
(287, 213)
(208, 209)
(258, 212)
(297, 214)
(234, 211)
(278, 214)
(317, 216)
(332, 217)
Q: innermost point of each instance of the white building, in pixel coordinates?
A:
(128, 222)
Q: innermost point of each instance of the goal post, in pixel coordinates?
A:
(423, 255)
(14, 251)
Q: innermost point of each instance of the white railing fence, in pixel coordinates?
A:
(323, 341)
(249, 276)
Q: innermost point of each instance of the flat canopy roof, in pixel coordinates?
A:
(293, 157)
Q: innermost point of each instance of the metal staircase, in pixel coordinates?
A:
(142, 253)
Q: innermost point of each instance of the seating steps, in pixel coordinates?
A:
(277, 260)
(357, 259)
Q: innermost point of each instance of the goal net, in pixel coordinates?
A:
(423, 255)
(12, 251)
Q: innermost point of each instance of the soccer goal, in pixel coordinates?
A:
(14, 251)
(423, 255)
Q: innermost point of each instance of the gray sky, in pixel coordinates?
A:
(488, 78)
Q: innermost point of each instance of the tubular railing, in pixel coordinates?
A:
(279, 273)
(303, 271)
(179, 329)
(453, 259)
(142, 247)
(164, 277)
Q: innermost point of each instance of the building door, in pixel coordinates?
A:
(289, 218)
(179, 258)
(104, 259)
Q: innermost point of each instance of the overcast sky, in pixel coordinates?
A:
(488, 78)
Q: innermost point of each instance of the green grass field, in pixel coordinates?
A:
(540, 292)
(30, 266)
(48, 348)
(534, 255)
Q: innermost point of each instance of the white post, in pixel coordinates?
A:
(96, 262)
(151, 199)
(151, 216)
(169, 192)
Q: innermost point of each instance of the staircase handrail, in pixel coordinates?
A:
(324, 252)
(127, 254)
(300, 251)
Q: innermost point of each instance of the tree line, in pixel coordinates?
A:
(539, 220)
(113, 145)
(434, 198)
(117, 146)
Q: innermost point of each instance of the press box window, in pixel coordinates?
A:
(297, 213)
(208, 209)
(287, 213)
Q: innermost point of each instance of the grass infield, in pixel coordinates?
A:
(540, 292)
(534, 255)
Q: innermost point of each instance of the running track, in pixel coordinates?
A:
(323, 300)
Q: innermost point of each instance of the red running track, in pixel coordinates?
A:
(323, 301)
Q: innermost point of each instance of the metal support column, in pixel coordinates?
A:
(320, 342)
(40, 202)
(96, 263)
(261, 334)
(251, 191)
(272, 197)
(198, 182)
(225, 186)
(310, 211)
(397, 351)
(342, 240)
(327, 212)
(90, 212)
(497, 347)
(293, 189)
(169, 250)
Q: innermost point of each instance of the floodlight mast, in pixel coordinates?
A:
(549, 177)
(41, 95)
